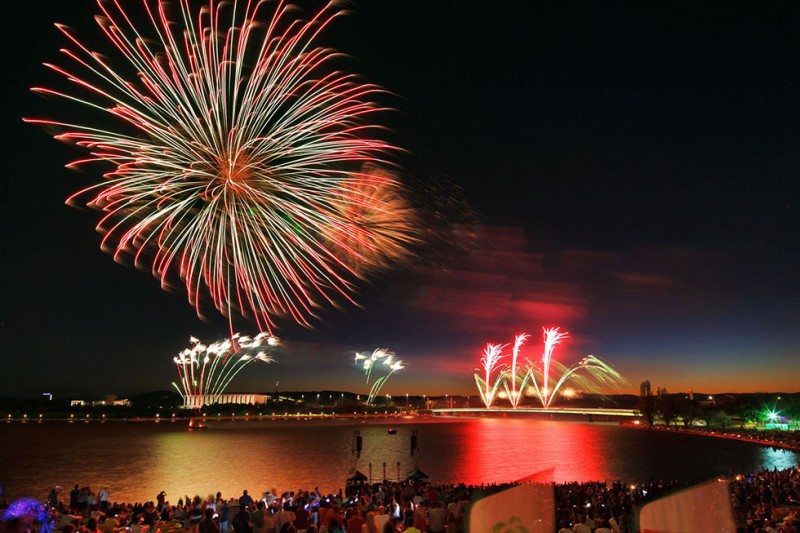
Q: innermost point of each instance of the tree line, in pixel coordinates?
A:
(720, 411)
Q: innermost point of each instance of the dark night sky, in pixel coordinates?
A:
(635, 167)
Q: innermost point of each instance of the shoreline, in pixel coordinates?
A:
(716, 434)
(227, 418)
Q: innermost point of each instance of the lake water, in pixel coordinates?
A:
(138, 460)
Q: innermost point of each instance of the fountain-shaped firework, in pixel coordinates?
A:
(590, 374)
(205, 371)
(381, 358)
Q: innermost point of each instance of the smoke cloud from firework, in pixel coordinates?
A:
(235, 153)
(378, 225)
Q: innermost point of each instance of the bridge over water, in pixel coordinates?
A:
(580, 411)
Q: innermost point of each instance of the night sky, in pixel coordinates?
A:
(634, 168)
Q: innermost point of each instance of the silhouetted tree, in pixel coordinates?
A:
(687, 410)
(666, 406)
(647, 402)
(720, 419)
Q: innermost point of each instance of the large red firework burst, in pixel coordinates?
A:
(232, 137)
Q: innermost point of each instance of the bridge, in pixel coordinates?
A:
(584, 411)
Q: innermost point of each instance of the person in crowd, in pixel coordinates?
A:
(258, 518)
(437, 518)
(241, 520)
(52, 498)
(285, 516)
(580, 526)
(270, 520)
(394, 509)
(302, 518)
(565, 527)
(73, 499)
(335, 526)
(104, 496)
(109, 524)
(325, 514)
(355, 522)
(224, 511)
(209, 524)
(409, 526)
(245, 500)
(380, 519)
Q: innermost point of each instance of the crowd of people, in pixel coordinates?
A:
(777, 438)
(764, 502)
(768, 501)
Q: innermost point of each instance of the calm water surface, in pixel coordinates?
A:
(138, 460)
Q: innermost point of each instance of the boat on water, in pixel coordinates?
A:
(391, 431)
(195, 426)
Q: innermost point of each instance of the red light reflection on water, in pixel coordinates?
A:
(493, 450)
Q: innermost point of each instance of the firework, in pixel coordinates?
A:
(205, 371)
(552, 338)
(378, 223)
(590, 374)
(381, 359)
(490, 364)
(233, 140)
(516, 380)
